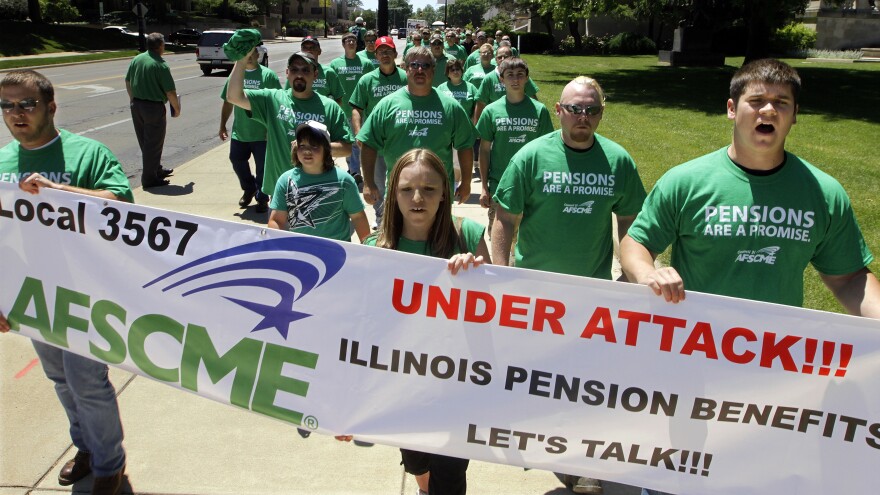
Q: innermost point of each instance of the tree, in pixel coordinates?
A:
(467, 12)
(398, 12)
(354, 5)
(34, 11)
(428, 13)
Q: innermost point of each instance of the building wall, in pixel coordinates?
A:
(847, 31)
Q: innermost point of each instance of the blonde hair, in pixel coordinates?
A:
(589, 81)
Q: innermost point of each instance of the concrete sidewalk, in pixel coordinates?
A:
(179, 443)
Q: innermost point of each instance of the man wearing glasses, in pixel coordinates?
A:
(441, 58)
(372, 87)
(369, 51)
(492, 89)
(44, 157)
(417, 117)
(562, 188)
(350, 68)
(282, 110)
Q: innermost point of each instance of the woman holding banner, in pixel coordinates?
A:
(418, 219)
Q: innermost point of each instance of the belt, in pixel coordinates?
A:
(148, 101)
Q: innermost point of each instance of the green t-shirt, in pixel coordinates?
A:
(150, 77)
(280, 112)
(456, 51)
(509, 126)
(440, 69)
(471, 233)
(476, 74)
(566, 198)
(474, 59)
(349, 72)
(318, 204)
(747, 236)
(491, 89)
(401, 122)
(373, 87)
(369, 56)
(69, 159)
(244, 128)
(465, 94)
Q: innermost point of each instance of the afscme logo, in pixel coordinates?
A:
(419, 132)
(291, 267)
(764, 255)
(583, 208)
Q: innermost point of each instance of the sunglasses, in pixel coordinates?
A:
(300, 70)
(420, 65)
(27, 105)
(591, 110)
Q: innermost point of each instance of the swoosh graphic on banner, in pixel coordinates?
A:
(236, 263)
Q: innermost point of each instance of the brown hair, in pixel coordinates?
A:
(511, 64)
(767, 70)
(452, 64)
(312, 138)
(30, 78)
(443, 237)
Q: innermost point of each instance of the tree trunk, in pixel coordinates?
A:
(34, 11)
(575, 33)
(758, 45)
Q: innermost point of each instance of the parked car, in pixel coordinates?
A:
(401, 34)
(120, 30)
(393, 32)
(186, 36)
(209, 52)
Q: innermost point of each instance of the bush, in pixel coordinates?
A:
(631, 44)
(793, 38)
(244, 10)
(534, 42)
(58, 11)
(13, 10)
(590, 45)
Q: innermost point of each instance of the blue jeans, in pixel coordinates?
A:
(89, 400)
(239, 153)
(379, 175)
(354, 161)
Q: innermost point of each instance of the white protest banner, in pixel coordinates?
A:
(714, 395)
(413, 24)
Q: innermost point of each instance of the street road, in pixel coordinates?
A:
(92, 101)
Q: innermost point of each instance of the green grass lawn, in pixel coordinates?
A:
(665, 116)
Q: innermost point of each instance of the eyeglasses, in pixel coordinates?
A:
(27, 105)
(591, 110)
(455, 69)
(420, 65)
(384, 53)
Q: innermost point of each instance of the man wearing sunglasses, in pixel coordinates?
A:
(43, 156)
(474, 56)
(368, 53)
(282, 110)
(417, 117)
(369, 91)
(441, 58)
(149, 85)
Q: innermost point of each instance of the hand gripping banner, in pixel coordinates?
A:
(581, 376)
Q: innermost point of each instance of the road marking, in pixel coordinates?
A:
(27, 368)
(93, 129)
(93, 87)
(107, 93)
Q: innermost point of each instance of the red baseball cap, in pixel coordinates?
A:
(385, 40)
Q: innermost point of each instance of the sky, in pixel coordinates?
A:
(417, 4)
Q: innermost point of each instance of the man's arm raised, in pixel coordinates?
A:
(235, 89)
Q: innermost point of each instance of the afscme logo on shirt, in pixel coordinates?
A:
(517, 139)
(764, 255)
(584, 208)
(419, 132)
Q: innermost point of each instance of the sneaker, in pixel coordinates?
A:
(582, 484)
(419, 491)
(303, 433)
(246, 198)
